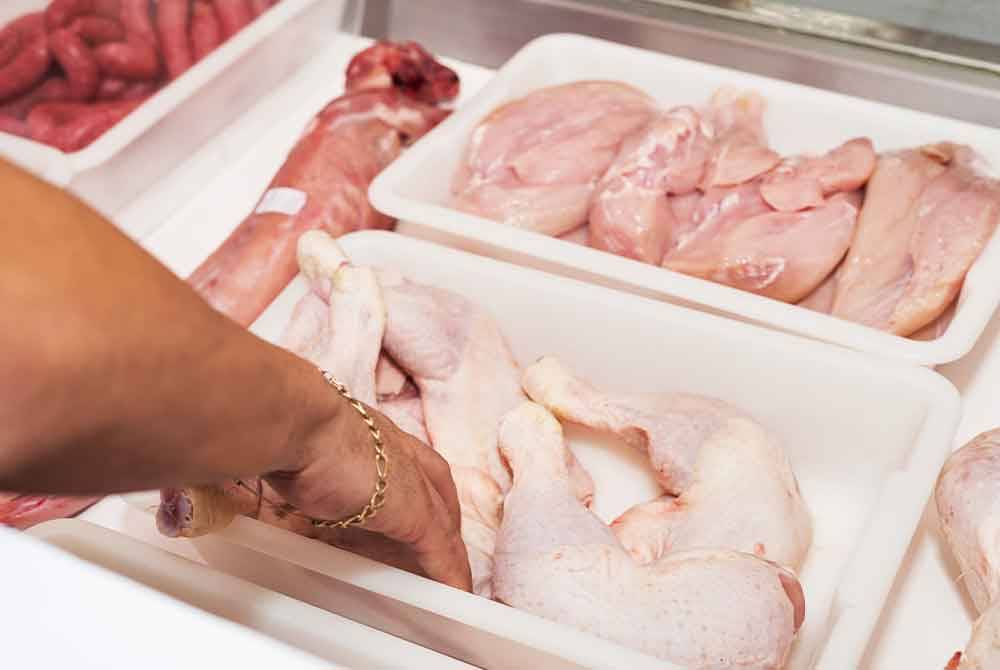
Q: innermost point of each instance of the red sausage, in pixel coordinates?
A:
(206, 30)
(96, 30)
(10, 45)
(138, 21)
(258, 7)
(234, 15)
(53, 89)
(14, 126)
(133, 60)
(61, 12)
(111, 88)
(29, 64)
(72, 126)
(77, 61)
(172, 17)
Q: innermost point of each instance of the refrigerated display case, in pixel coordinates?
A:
(906, 604)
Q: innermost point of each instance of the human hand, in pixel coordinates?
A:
(336, 479)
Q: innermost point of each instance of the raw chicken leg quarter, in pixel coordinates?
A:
(968, 504)
(729, 483)
(554, 558)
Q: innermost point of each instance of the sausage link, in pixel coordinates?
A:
(77, 61)
(258, 7)
(234, 15)
(72, 126)
(53, 89)
(138, 21)
(30, 63)
(133, 60)
(206, 30)
(95, 30)
(172, 18)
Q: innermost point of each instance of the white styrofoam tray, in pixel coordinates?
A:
(60, 612)
(866, 438)
(298, 625)
(186, 113)
(416, 188)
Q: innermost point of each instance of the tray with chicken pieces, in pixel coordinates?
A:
(630, 477)
(807, 211)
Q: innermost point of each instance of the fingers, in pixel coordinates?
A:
(439, 474)
(440, 550)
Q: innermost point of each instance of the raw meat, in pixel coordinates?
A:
(337, 326)
(967, 495)
(468, 379)
(698, 609)
(729, 482)
(23, 511)
(780, 255)
(631, 213)
(802, 182)
(740, 152)
(322, 185)
(927, 215)
(533, 162)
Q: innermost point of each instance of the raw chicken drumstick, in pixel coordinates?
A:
(323, 183)
(698, 609)
(967, 497)
(729, 482)
(468, 379)
(338, 326)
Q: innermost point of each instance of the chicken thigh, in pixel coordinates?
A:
(468, 379)
(698, 609)
(927, 215)
(729, 483)
(968, 504)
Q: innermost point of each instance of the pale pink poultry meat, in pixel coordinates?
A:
(780, 255)
(533, 163)
(967, 496)
(780, 235)
(739, 148)
(631, 214)
(928, 213)
(324, 181)
(802, 182)
(707, 609)
(678, 152)
(468, 379)
(729, 483)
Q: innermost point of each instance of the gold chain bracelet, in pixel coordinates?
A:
(381, 468)
(381, 463)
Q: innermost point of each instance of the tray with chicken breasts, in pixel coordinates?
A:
(841, 219)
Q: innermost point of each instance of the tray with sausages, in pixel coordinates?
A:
(106, 96)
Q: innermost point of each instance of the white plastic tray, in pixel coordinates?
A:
(304, 627)
(834, 409)
(144, 146)
(62, 612)
(799, 119)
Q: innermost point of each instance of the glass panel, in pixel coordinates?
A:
(970, 19)
(965, 32)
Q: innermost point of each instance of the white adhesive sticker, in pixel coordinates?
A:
(282, 200)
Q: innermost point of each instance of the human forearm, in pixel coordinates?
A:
(116, 376)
